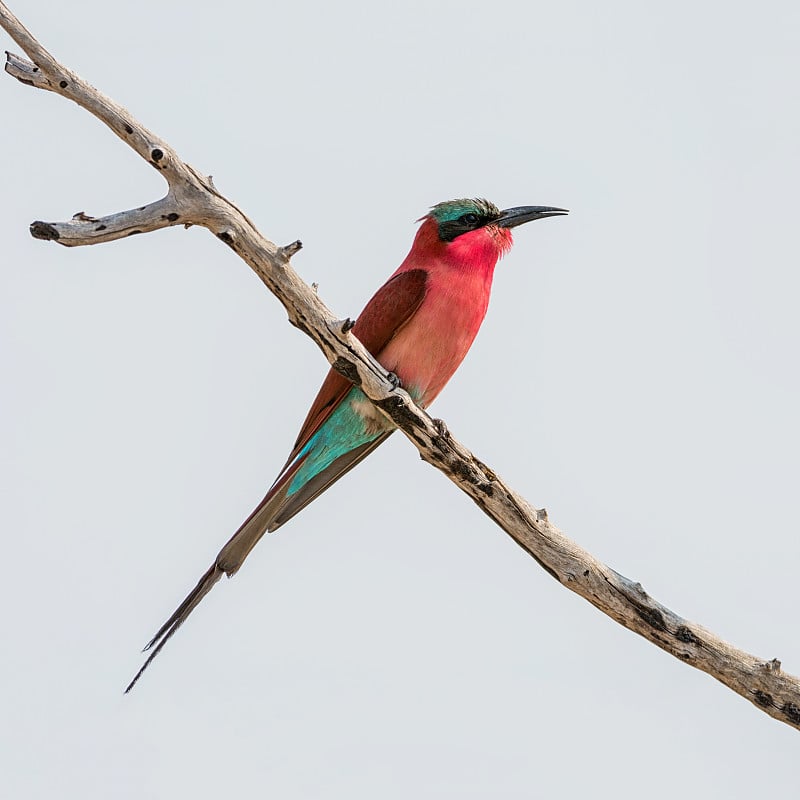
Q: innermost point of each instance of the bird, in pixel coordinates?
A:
(419, 325)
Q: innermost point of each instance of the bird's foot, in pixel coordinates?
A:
(441, 428)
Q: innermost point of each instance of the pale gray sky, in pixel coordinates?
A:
(641, 353)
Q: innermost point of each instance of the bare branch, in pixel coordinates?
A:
(84, 229)
(193, 200)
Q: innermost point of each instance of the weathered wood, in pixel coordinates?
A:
(192, 199)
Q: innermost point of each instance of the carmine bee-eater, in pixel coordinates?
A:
(419, 325)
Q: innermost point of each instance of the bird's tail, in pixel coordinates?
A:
(227, 562)
(278, 507)
(204, 586)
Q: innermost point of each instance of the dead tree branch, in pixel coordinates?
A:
(191, 199)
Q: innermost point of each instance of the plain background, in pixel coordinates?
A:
(637, 374)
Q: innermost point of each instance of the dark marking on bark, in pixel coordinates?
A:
(586, 573)
(26, 82)
(683, 634)
(487, 489)
(63, 84)
(300, 326)
(36, 69)
(792, 712)
(348, 325)
(344, 367)
(100, 228)
(45, 231)
(171, 217)
(438, 443)
(397, 410)
(157, 154)
(762, 699)
(133, 233)
(403, 417)
(226, 237)
(128, 129)
(653, 617)
(465, 471)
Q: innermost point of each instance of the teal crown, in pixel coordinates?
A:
(456, 217)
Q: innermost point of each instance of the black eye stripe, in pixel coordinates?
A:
(451, 229)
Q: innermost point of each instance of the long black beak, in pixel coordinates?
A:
(511, 217)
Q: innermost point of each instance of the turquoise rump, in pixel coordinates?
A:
(344, 431)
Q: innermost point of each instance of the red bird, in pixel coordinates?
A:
(419, 325)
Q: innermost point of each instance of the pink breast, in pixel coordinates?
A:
(429, 349)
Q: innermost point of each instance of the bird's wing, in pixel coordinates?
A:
(392, 306)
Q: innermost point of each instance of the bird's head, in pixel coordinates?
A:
(478, 229)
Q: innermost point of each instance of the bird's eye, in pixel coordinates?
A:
(469, 219)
